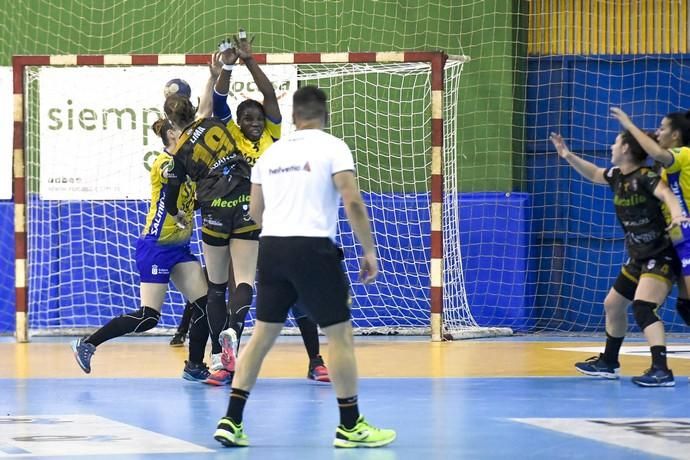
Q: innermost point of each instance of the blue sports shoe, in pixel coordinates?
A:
(195, 372)
(597, 367)
(654, 377)
(82, 353)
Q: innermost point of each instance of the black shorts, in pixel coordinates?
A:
(228, 217)
(304, 268)
(664, 266)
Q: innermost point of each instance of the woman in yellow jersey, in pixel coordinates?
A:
(162, 254)
(257, 127)
(672, 152)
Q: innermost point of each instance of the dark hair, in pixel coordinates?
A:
(309, 103)
(680, 121)
(161, 128)
(247, 104)
(179, 110)
(636, 151)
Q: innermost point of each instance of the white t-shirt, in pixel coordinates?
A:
(296, 177)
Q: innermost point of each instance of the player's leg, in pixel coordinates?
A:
(189, 278)
(154, 263)
(655, 285)
(310, 336)
(180, 335)
(217, 258)
(274, 298)
(244, 252)
(683, 301)
(606, 365)
(322, 288)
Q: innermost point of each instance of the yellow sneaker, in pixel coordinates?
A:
(362, 435)
(230, 434)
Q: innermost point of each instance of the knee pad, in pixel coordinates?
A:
(683, 309)
(216, 292)
(146, 317)
(242, 297)
(645, 313)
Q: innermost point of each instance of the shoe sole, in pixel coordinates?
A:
(191, 378)
(76, 357)
(319, 379)
(227, 341)
(223, 437)
(345, 444)
(603, 375)
(176, 345)
(652, 385)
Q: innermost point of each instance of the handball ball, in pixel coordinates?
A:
(177, 86)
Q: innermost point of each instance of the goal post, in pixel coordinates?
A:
(82, 144)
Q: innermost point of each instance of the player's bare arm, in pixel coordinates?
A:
(582, 166)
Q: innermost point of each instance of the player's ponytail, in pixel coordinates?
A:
(161, 128)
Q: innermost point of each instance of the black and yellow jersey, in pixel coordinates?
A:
(159, 225)
(207, 153)
(639, 211)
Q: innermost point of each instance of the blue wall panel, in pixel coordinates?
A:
(7, 295)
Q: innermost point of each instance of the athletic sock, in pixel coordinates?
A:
(238, 398)
(349, 411)
(612, 349)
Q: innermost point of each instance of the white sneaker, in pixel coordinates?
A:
(228, 342)
(216, 362)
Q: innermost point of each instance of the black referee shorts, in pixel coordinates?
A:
(304, 268)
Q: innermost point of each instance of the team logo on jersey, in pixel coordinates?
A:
(154, 269)
(651, 264)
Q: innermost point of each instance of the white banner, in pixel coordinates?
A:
(96, 141)
(6, 129)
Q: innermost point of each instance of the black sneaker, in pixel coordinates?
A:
(654, 377)
(178, 339)
(83, 352)
(597, 367)
(195, 372)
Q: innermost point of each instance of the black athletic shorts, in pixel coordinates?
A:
(664, 266)
(228, 217)
(304, 268)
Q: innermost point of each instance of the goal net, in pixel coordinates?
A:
(89, 146)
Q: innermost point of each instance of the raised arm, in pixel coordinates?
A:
(227, 56)
(244, 48)
(206, 100)
(585, 168)
(649, 145)
(357, 214)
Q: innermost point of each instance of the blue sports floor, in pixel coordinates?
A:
(436, 417)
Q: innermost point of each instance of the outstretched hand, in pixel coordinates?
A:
(215, 65)
(622, 117)
(244, 46)
(559, 143)
(228, 53)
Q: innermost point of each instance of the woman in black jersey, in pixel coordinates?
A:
(206, 152)
(647, 276)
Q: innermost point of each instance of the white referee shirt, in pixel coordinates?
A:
(296, 177)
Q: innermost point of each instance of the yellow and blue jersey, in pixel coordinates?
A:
(677, 176)
(159, 225)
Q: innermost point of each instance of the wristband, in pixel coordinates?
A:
(228, 67)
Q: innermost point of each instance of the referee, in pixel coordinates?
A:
(297, 185)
